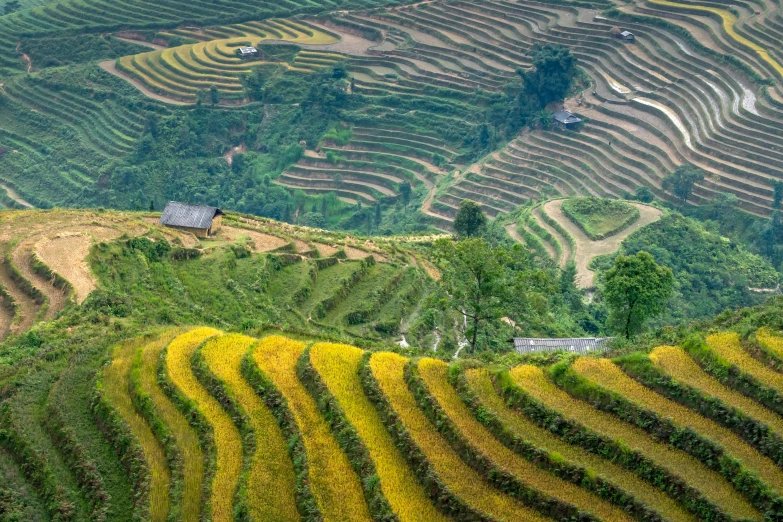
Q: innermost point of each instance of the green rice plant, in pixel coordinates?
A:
(337, 366)
(268, 481)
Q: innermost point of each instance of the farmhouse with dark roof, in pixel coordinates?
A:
(566, 120)
(202, 221)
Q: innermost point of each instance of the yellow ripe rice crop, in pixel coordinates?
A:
(727, 346)
(729, 21)
(185, 437)
(338, 366)
(771, 342)
(684, 369)
(480, 383)
(532, 380)
(218, 55)
(271, 486)
(435, 375)
(228, 443)
(463, 481)
(334, 483)
(608, 375)
(116, 380)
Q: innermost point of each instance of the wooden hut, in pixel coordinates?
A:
(564, 119)
(200, 220)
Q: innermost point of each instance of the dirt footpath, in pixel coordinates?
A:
(586, 248)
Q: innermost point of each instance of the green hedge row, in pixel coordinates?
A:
(546, 460)
(274, 399)
(439, 493)
(498, 477)
(684, 439)
(348, 438)
(757, 434)
(579, 435)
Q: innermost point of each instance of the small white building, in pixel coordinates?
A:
(247, 52)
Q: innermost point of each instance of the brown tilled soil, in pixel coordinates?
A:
(261, 242)
(26, 306)
(325, 250)
(302, 246)
(67, 255)
(21, 258)
(586, 248)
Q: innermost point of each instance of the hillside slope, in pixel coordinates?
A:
(379, 436)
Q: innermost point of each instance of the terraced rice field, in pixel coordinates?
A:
(648, 115)
(649, 112)
(419, 436)
(181, 72)
(606, 374)
(372, 165)
(547, 231)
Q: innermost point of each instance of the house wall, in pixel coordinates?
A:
(198, 232)
(217, 222)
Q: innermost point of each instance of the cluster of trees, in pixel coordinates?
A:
(553, 75)
(498, 289)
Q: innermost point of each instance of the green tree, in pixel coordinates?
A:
(470, 220)
(11, 6)
(550, 78)
(378, 214)
(643, 194)
(681, 182)
(405, 192)
(778, 196)
(636, 288)
(214, 95)
(474, 279)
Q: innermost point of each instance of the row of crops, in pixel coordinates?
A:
(224, 426)
(648, 112)
(180, 72)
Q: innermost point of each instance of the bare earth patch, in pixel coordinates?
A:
(586, 248)
(67, 255)
(261, 242)
(325, 250)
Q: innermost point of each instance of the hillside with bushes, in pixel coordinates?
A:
(277, 372)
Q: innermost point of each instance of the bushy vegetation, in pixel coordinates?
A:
(600, 218)
(711, 273)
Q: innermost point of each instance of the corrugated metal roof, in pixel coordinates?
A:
(192, 216)
(566, 117)
(565, 344)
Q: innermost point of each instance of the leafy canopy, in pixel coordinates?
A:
(470, 220)
(636, 288)
(681, 182)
